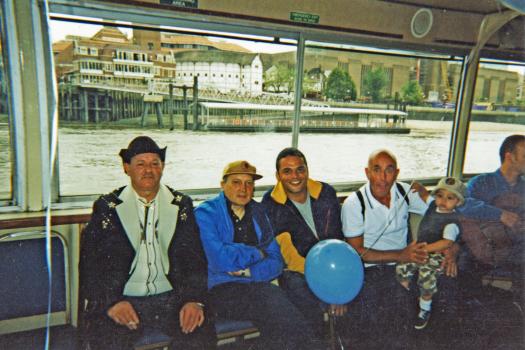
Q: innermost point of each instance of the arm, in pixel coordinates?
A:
(192, 267)
(421, 190)
(223, 254)
(354, 227)
(478, 196)
(414, 252)
(293, 260)
(98, 290)
(270, 266)
(332, 227)
(189, 272)
(439, 246)
(418, 199)
(450, 263)
(451, 233)
(278, 215)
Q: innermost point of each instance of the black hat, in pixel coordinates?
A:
(141, 144)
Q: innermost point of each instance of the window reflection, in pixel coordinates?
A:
(6, 162)
(498, 111)
(401, 101)
(117, 83)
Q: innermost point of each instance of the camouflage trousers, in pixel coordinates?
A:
(428, 273)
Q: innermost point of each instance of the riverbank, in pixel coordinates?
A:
(446, 114)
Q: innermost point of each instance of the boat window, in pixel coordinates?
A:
(357, 100)
(6, 138)
(498, 110)
(115, 83)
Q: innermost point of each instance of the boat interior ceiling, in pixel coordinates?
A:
(448, 26)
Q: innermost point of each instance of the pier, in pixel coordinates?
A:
(249, 117)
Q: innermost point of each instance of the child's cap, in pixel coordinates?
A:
(453, 185)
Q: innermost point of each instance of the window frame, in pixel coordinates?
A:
(12, 68)
(196, 22)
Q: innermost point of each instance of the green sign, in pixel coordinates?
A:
(304, 17)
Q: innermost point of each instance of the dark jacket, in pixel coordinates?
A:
(106, 253)
(293, 233)
(433, 223)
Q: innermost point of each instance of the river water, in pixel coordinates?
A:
(89, 161)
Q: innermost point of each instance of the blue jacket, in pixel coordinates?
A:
(224, 255)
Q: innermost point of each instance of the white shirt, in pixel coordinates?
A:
(148, 277)
(387, 225)
(450, 231)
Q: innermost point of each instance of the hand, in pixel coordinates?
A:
(421, 190)
(124, 314)
(337, 310)
(449, 264)
(191, 316)
(509, 218)
(241, 273)
(414, 252)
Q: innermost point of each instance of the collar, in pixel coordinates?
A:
(127, 213)
(394, 196)
(279, 194)
(247, 210)
(142, 200)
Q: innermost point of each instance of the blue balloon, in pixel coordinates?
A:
(334, 271)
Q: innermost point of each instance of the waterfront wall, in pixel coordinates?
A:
(446, 114)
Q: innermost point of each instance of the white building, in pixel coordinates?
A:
(224, 71)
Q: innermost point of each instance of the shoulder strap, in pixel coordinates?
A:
(402, 192)
(362, 201)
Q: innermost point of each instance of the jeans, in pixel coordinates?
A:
(281, 324)
(297, 290)
(379, 317)
(159, 312)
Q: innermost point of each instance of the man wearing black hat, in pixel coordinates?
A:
(141, 263)
(243, 258)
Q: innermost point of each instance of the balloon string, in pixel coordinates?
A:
(389, 221)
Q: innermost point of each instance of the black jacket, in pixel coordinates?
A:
(106, 255)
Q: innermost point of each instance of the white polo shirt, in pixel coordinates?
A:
(390, 224)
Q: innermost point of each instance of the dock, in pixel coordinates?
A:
(249, 117)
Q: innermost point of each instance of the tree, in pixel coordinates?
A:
(340, 85)
(374, 82)
(280, 77)
(309, 85)
(412, 93)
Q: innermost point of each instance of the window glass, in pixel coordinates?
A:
(362, 101)
(498, 111)
(6, 151)
(110, 77)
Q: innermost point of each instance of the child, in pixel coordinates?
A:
(439, 228)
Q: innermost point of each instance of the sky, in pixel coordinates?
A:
(59, 30)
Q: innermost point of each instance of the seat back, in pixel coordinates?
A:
(24, 281)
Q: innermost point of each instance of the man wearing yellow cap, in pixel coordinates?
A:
(243, 259)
